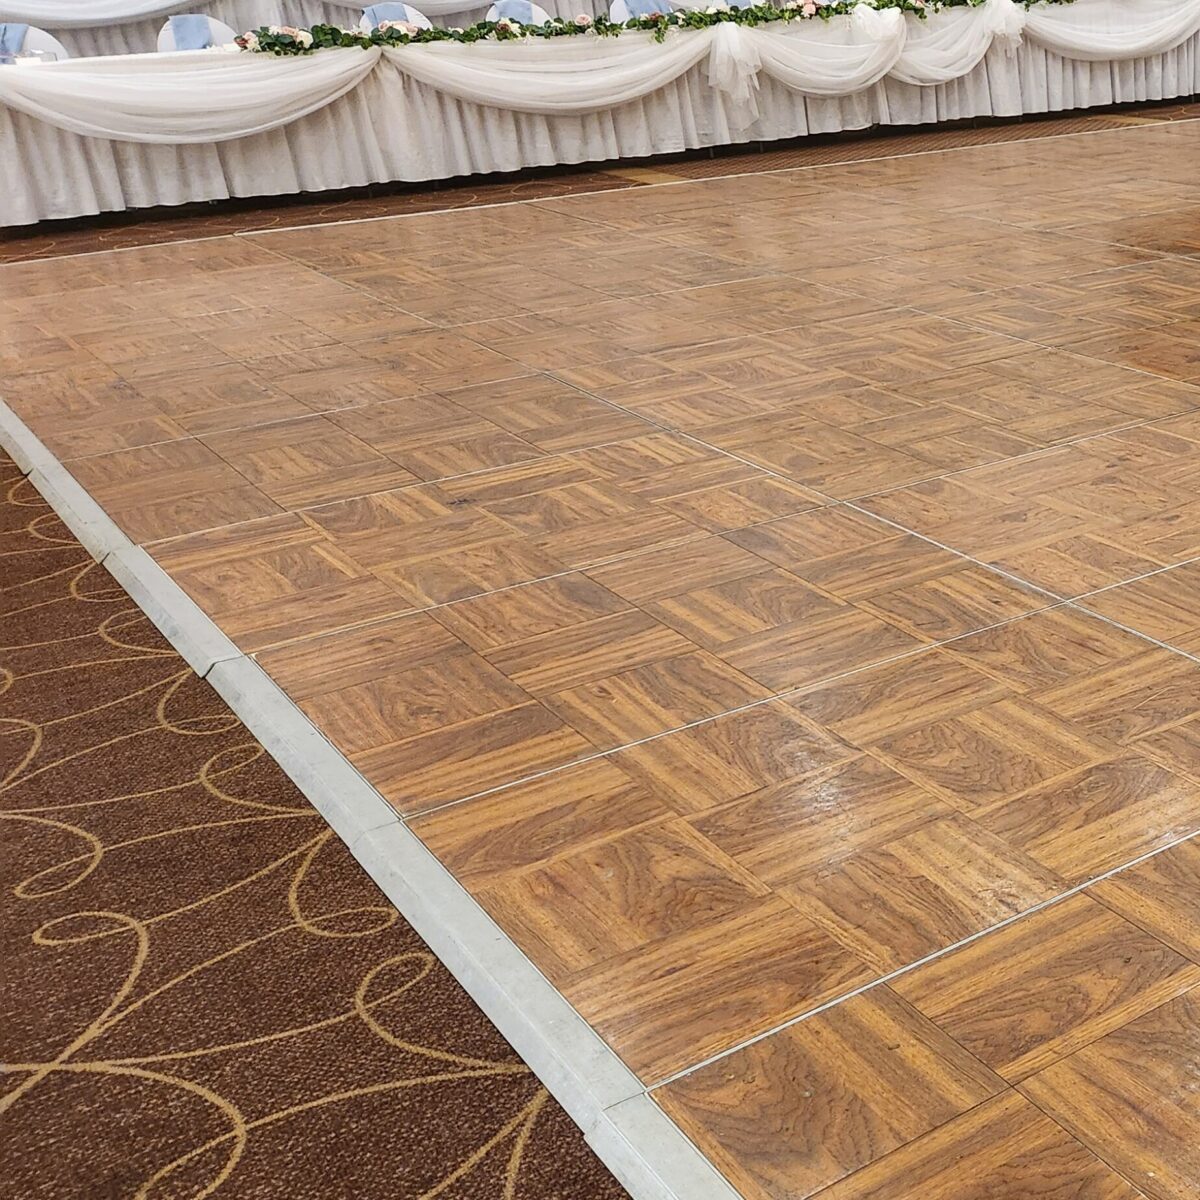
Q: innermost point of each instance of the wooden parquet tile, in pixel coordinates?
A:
(797, 829)
(1100, 512)
(310, 461)
(806, 1107)
(501, 620)
(1099, 817)
(275, 580)
(420, 713)
(1004, 1149)
(1161, 895)
(687, 564)
(1166, 605)
(899, 698)
(1047, 649)
(990, 753)
(531, 823)
(1036, 991)
(906, 897)
(1131, 1096)
(549, 415)
(693, 993)
(646, 700)
(171, 488)
(1130, 701)
(434, 437)
(586, 907)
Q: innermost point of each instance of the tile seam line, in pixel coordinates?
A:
(1100, 1150)
(1080, 133)
(887, 978)
(28, 262)
(1070, 601)
(648, 1179)
(783, 695)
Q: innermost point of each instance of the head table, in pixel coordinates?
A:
(110, 133)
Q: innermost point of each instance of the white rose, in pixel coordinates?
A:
(304, 38)
(250, 41)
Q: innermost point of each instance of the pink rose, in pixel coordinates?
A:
(583, 20)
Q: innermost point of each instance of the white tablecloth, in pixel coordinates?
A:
(98, 27)
(413, 118)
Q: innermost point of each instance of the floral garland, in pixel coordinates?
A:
(287, 39)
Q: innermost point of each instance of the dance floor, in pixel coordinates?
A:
(775, 599)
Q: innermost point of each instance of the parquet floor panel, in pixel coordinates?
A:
(1129, 1097)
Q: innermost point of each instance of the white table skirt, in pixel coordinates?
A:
(392, 128)
(140, 36)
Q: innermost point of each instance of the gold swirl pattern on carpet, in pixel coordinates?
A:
(203, 995)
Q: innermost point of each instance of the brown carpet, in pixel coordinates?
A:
(203, 995)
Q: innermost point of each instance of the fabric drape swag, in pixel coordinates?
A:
(219, 97)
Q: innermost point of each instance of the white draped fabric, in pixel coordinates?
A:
(833, 59)
(431, 112)
(132, 28)
(1097, 30)
(952, 43)
(189, 96)
(838, 58)
(575, 75)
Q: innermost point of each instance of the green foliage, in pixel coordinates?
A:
(282, 40)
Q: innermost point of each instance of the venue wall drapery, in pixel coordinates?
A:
(136, 131)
